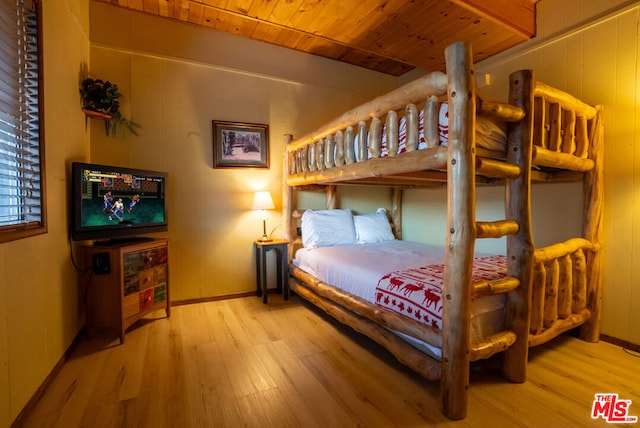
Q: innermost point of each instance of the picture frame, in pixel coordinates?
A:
(240, 145)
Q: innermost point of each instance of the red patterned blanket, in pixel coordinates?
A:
(417, 292)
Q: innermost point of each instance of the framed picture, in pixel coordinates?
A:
(240, 145)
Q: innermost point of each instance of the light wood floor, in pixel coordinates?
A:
(240, 363)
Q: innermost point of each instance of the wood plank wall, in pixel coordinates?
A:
(591, 49)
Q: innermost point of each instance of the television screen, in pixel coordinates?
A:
(111, 202)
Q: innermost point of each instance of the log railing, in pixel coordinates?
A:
(351, 147)
(335, 143)
(561, 284)
(342, 150)
(564, 126)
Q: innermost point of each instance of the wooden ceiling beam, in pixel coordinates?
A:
(518, 16)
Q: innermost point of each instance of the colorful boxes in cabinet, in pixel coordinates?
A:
(152, 296)
(131, 284)
(153, 257)
(131, 262)
(145, 279)
(136, 261)
(146, 299)
(160, 273)
(160, 293)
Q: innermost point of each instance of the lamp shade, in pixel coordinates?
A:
(262, 201)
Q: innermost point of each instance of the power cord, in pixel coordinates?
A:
(631, 352)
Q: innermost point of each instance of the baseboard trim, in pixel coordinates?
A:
(213, 299)
(619, 342)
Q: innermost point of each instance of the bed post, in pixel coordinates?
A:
(454, 382)
(593, 207)
(331, 197)
(520, 249)
(287, 200)
(396, 212)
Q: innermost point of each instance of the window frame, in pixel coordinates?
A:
(17, 231)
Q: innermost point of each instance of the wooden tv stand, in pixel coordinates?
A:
(128, 281)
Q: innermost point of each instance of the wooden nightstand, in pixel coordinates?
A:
(280, 247)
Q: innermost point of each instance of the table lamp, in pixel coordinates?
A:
(262, 201)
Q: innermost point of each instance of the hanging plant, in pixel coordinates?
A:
(100, 100)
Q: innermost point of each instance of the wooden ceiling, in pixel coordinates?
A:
(390, 36)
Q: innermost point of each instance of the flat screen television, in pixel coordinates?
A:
(116, 203)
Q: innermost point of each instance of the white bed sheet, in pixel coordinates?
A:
(358, 268)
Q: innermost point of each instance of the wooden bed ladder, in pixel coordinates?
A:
(514, 341)
(517, 228)
(463, 230)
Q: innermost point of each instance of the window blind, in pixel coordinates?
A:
(22, 210)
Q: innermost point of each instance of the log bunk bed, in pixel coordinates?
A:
(551, 136)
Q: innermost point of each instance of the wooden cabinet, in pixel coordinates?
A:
(128, 281)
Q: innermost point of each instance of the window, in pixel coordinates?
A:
(22, 205)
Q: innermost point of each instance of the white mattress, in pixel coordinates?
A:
(358, 268)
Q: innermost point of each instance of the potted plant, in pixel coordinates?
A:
(100, 99)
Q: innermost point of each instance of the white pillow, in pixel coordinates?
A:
(324, 228)
(373, 227)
